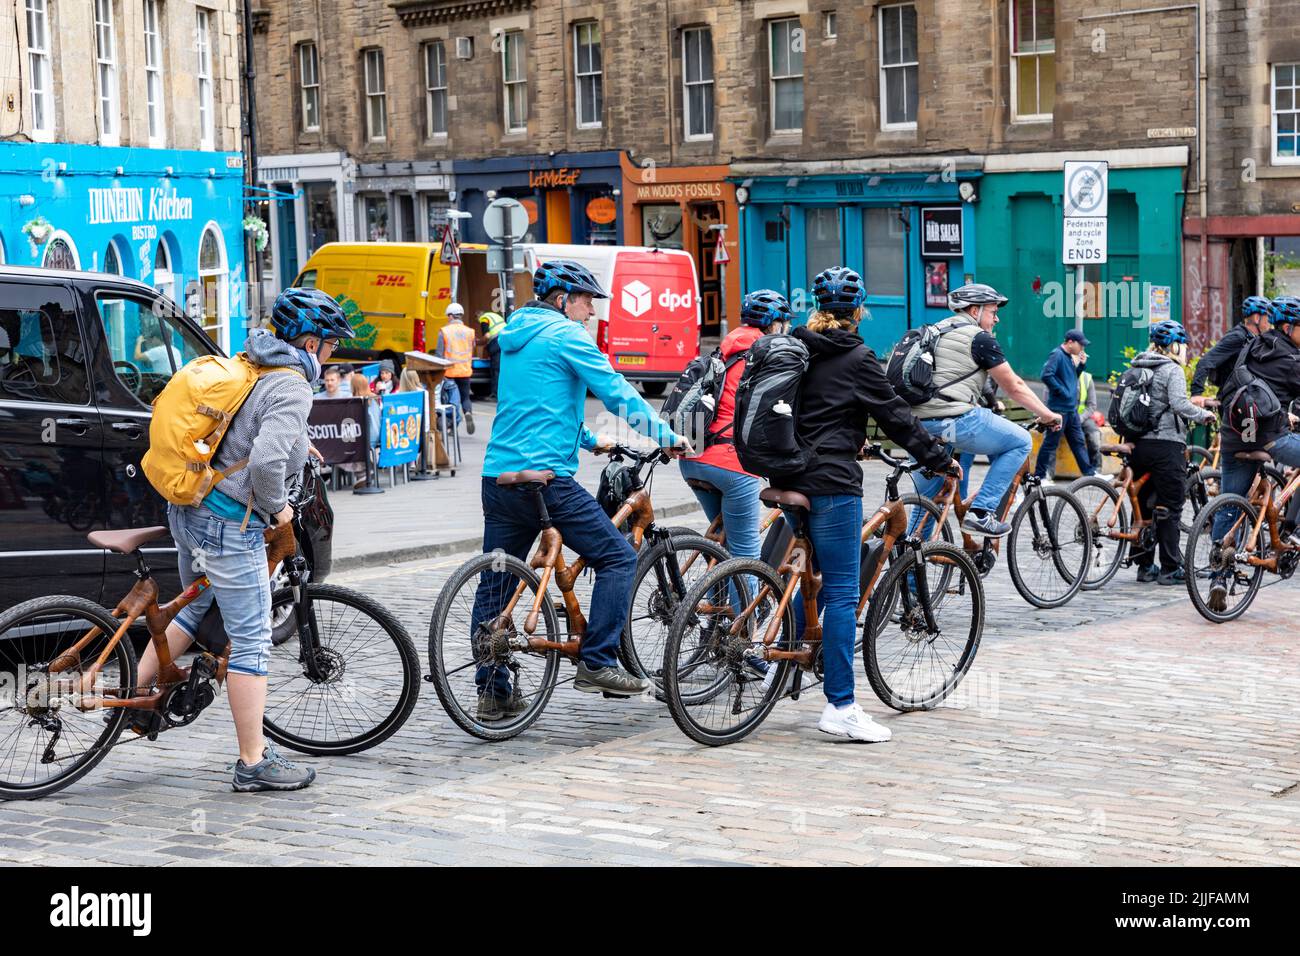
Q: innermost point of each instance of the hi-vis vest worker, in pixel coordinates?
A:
(492, 324)
(456, 343)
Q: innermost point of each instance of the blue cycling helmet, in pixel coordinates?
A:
(1286, 309)
(762, 307)
(1167, 333)
(1257, 305)
(839, 290)
(300, 311)
(567, 275)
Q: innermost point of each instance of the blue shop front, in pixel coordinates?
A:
(910, 235)
(170, 218)
(570, 197)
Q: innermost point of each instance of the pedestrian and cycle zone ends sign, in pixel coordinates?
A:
(400, 428)
(1085, 198)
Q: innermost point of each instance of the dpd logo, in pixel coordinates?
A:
(636, 298)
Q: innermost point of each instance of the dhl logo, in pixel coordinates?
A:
(385, 279)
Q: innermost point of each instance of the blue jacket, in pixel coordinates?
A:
(548, 362)
(1061, 376)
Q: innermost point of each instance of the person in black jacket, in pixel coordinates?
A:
(843, 386)
(1275, 359)
(1214, 366)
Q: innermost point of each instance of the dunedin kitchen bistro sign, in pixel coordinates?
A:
(128, 203)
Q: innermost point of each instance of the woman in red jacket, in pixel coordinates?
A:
(736, 498)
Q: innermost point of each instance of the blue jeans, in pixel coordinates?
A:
(235, 563)
(510, 524)
(1072, 429)
(1238, 476)
(980, 432)
(835, 526)
(738, 504)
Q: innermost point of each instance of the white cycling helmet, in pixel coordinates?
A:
(455, 308)
(975, 293)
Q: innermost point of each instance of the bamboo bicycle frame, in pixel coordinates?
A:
(949, 499)
(1133, 489)
(1269, 508)
(142, 600)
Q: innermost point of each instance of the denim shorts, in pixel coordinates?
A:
(235, 563)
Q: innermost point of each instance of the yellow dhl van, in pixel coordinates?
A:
(394, 293)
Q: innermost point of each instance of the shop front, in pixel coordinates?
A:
(676, 208)
(402, 202)
(170, 218)
(306, 200)
(570, 197)
(1020, 225)
(910, 235)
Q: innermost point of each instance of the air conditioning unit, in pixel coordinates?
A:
(464, 48)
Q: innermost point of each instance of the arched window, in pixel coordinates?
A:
(112, 264)
(112, 311)
(60, 253)
(212, 276)
(163, 280)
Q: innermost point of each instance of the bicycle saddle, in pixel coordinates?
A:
(1122, 448)
(788, 499)
(1253, 456)
(124, 542)
(699, 484)
(525, 477)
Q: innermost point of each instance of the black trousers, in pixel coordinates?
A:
(1162, 497)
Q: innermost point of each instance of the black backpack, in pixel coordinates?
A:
(1133, 412)
(767, 408)
(911, 367)
(692, 405)
(1248, 405)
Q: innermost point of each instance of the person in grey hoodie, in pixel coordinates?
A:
(223, 536)
(1161, 452)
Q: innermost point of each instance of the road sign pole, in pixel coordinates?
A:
(1078, 298)
(508, 276)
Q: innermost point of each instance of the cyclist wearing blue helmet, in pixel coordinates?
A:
(548, 363)
(1273, 358)
(1162, 451)
(222, 537)
(843, 388)
(735, 494)
(1214, 366)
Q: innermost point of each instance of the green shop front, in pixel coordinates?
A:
(910, 234)
(1019, 223)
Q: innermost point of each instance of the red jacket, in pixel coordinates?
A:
(723, 454)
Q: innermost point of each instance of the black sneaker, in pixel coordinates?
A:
(1170, 578)
(1218, 602)
(492, 708)
(1147, 573)
(469, 422)
(611, 681)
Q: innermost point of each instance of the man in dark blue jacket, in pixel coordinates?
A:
(1061, 376)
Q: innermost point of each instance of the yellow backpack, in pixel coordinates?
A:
(190, 417)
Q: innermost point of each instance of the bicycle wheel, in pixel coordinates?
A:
(664, 573)
(1201, 487)
(1101, 502)
(364, 682)
(1208, 562)
(718, 687)
(46, 741)
(1049, 547)
(919, 642)
(477, 637)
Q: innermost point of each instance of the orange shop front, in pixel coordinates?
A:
(673, 208)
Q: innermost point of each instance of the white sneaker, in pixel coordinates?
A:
(851, 722)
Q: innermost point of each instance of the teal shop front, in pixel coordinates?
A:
(1019, 220)
(170, 218)
(909, 234)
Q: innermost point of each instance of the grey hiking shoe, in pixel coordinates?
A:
(492, 708)
(611, 681)
(986, 525)
(272, 772)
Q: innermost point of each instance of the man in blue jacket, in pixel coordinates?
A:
(1061, 376)
(548, 362)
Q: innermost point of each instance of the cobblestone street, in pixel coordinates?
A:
(1118, 729)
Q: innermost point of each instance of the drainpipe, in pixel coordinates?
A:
(253, 265)
(1202, 76)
